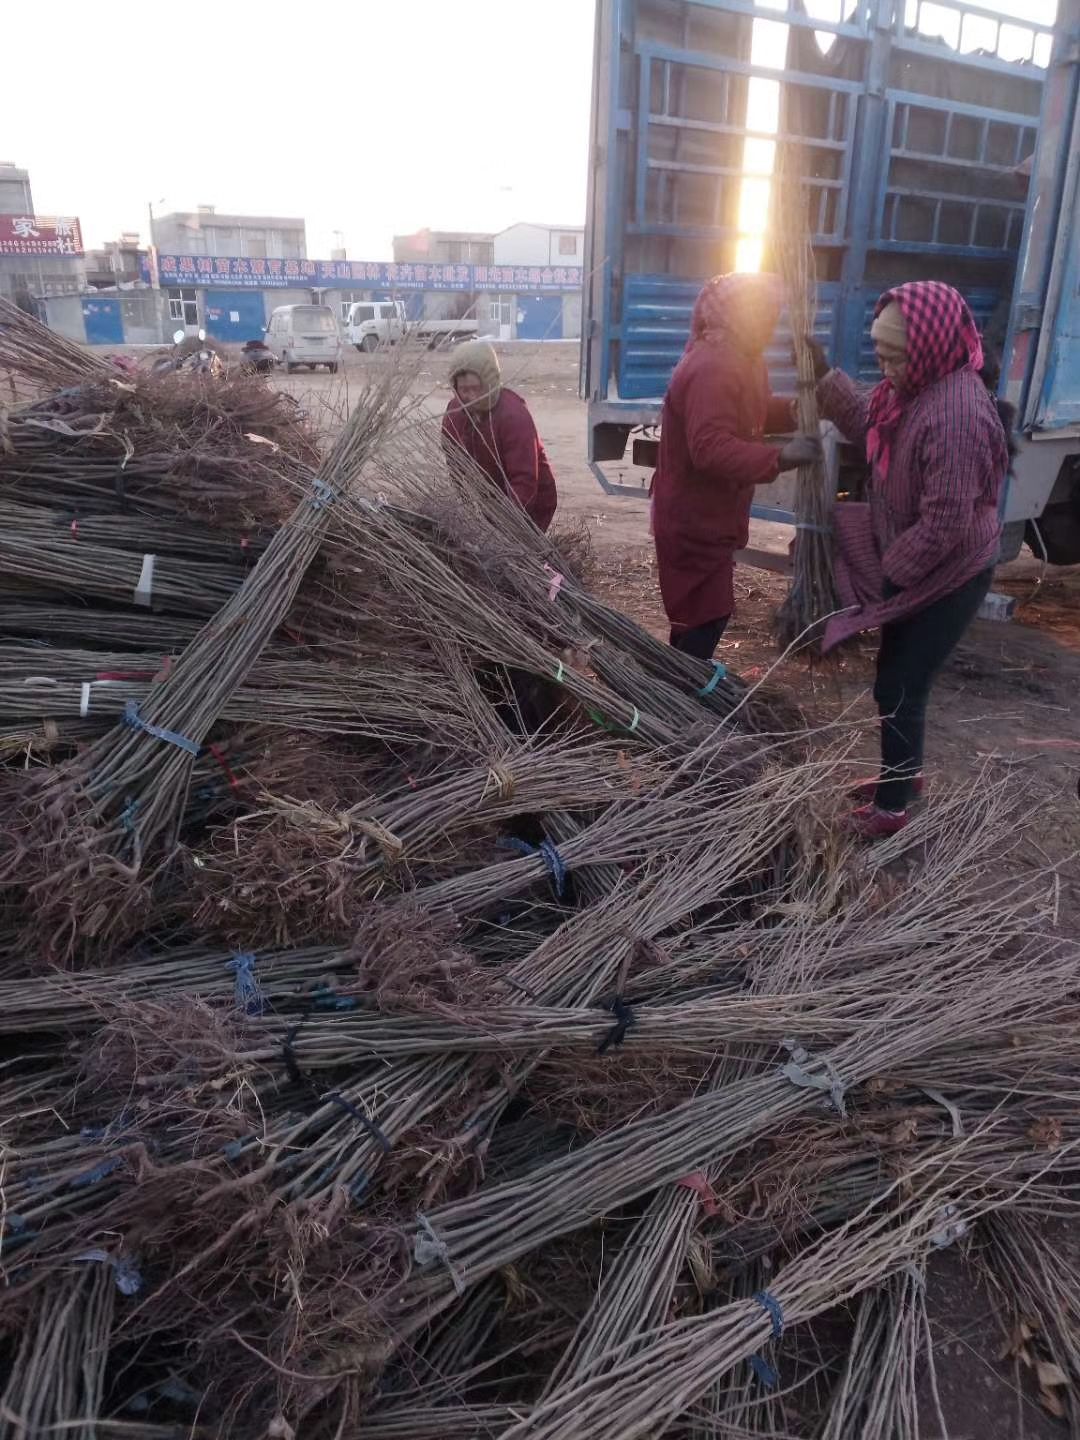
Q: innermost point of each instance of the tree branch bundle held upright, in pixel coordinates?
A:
(438, 1008)
(812, 595)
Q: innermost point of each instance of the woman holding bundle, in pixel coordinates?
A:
(492, 425)
(918, 560)
(716, 413)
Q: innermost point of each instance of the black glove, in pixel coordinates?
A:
(817, 354)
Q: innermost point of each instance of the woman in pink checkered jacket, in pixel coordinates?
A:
(917, 560)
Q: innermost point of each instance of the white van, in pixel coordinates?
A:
(375, 322)
(304, 335)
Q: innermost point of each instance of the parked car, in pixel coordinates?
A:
(304, 335)
(375, 322)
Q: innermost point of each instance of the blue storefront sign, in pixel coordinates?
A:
(235, 271)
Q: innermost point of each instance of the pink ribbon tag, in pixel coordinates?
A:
(556, 582)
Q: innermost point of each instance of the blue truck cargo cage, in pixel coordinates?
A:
(939, 140)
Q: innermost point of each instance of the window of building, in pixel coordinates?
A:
(184, 306)
(502, 312)
(568, 244)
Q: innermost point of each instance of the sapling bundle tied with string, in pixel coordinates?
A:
(812, 594)
(96, 831)
(468, 1021)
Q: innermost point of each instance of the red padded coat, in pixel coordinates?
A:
(712, 454)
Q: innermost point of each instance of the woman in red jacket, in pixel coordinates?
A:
(716, 413)
(917, 560)
(492, 425)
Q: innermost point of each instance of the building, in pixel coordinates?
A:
(525, 244)
(429, 248)
(119, 264)
(232, 295)
(539, 313)
(445, 247)
(39, 254)
(206, 232)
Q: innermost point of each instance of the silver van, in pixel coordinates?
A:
(304, 335)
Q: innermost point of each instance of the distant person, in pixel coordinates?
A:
(716, 413)
(918, 560)
(492, 425)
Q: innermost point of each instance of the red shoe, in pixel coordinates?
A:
(867, 789)
(871, 823)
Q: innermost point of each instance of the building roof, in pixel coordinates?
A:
(540, 225)
(221, 217)
(447, 234)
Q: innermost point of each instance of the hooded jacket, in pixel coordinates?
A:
(717, 410)
(499, 436)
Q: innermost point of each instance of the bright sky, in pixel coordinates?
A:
(366, 117)
(363, 116)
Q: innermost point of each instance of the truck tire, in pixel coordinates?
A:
(1055, 536)
(369, 344)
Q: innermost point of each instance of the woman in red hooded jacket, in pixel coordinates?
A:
(716, 413)
(493, 426)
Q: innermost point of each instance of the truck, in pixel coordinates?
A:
(935, 139)
(373, 323)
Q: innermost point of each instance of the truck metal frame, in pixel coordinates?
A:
(912, 173)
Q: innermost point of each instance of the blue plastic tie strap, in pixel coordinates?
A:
(764, 1372)
(554, 862)
(761, 1367)
(771, 1306)
(94, 1176)
(249, 995)
(719, 671)
(556, 865)
(136, 721)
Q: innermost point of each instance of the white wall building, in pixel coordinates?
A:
(545, 245)
(550, 250)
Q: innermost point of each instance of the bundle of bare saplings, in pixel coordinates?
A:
(432, 1007)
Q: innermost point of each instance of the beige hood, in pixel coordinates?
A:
(478, 358)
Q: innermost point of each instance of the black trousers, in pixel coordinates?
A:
(912, 652)
(701, 640)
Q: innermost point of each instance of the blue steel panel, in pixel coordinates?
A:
(1059, 402)
(236, 315)
(641, 319)
(656, 325)
(539, 317)
(103, 321)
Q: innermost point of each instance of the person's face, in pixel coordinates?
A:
(893, 365)
(469, 388)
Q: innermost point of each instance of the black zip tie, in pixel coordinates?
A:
(624, 1021)
(369, 1125)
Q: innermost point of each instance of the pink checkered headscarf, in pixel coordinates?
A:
(737, 310)
(941, 337)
